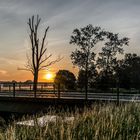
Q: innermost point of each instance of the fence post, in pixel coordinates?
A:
(14, 89)
(19, 86)
(58, 90)
(118, 94)
(30, 87)
(86, 91)
(41, 87)
(54, 88)
(35, 88)
(86, 97)
(35, 93)
(9, 88)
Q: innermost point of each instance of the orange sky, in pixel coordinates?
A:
(12, 73)
(62, 17)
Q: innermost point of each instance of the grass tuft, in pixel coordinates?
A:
(101, 122)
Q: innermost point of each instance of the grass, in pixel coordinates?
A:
(100, 122)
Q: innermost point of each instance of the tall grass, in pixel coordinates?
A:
(101, 122)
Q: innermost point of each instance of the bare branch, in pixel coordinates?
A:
(42, 45)
(50, 63)
(25, 69)
(42, 61)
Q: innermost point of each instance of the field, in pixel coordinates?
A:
(100, 122)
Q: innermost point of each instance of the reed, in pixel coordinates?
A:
(100, 122)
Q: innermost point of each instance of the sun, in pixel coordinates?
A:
(49, 76)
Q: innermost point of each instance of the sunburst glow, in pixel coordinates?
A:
(49, 76)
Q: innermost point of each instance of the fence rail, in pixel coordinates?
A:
(26, 89)
(51, 90)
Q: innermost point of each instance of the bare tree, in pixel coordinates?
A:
(37, 60)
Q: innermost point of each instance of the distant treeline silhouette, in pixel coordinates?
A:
(125, 74)
(110, 68)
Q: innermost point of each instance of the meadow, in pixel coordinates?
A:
(99, 122)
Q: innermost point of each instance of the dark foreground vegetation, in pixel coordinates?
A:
(106, 121)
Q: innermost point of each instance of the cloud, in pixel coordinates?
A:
(3, 72)
(119, 16)
(10, 61)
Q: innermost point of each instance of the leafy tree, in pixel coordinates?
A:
(104, 82)
(92, 74)
(128, 71)
(66, 79)
(28, 81)
(85, 38)
(81, 79)
(107, 59)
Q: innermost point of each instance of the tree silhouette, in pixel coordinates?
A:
(85, 38)
(66, 79)
(92, 74)
(129, 71)
(107, 59)
(37, 60)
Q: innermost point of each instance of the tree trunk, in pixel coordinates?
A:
(86, 80)
(86, 84)
(86, 75)
(35, 82)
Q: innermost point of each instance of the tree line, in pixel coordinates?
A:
(110, 67)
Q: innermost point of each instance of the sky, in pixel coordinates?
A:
(62, 16)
